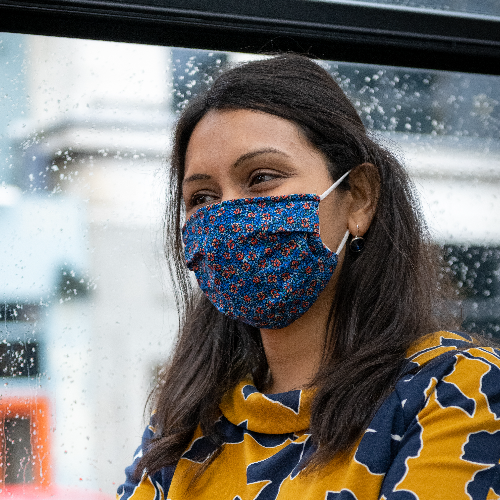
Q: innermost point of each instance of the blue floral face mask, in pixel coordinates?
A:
(261, 260)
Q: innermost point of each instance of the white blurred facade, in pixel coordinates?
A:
(97, 131)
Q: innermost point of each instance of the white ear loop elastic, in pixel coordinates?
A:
(333, 186)
(324, 195)
(343, 242)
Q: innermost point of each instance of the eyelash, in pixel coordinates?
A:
(263, 174)
(194, 203)
(194, 200)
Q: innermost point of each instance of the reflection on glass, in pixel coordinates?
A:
(481, 7)
(86, 318)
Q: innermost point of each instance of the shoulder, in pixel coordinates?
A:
(451, 369)
(436, 353)
(147, 487)
(435, 344)
(447, 412)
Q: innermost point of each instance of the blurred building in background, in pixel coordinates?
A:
(85, 320)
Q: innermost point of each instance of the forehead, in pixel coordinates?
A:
(221, 137)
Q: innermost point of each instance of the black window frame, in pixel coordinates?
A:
(359, 33)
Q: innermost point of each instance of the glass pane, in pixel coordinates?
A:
(445, 127)
(481, 7)
(87, 317)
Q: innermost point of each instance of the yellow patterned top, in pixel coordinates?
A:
(436, 437)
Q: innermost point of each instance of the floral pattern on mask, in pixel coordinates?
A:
(260, 260)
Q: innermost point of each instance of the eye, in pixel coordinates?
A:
(201, 199)
(261, 177)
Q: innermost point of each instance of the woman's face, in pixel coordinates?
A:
(242, 154)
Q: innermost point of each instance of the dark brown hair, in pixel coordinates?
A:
(383, 300)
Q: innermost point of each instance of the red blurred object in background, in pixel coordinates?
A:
(30, 492)
(25, 459)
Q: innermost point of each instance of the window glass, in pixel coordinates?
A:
(445, 127)
(86, 315)
(481, 7)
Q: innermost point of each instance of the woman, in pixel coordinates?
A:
(300, 371)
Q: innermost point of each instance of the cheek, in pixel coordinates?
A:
(332, 222)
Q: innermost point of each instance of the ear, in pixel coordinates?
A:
(365, 191)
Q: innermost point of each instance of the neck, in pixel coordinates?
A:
(294, 353)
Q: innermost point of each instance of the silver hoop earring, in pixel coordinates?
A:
(357, 243)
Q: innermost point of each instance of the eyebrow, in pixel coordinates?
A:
(196, 177)
(253, 154)
(237, 163)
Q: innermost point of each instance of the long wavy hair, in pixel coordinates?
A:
(383, 301)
